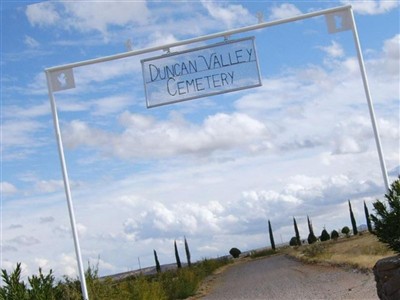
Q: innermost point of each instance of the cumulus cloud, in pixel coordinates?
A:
(372, 7)
(334, 50)
(24, 240)
(219, 132)
(49, 186)
(285, 10)
(42, 14)
(68, 264)
(20, 132)
(88, 16)
(230, 14)
(247, 213)
(8, 188)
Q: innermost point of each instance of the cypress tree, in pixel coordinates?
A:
(325, 235)
(187, 252)
(367, 218)
(296, 231)
(311, 236)
(353, 220)
(178, 261)
(271, 236)
(158, 267)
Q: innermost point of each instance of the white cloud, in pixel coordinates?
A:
(335, 50)
(108, 105)
(230, 14)
(217, 133)
(8, 188)
(24, 240)
(42, 14)
(351, 136)
(20, 133)
(31, 42)
(372, 7)
(43, 263)
(47, 220)
(88, 16)
(68, 263)
(391, 55)
(285, 10)
(49, 186)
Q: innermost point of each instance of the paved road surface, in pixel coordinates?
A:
(279, 277)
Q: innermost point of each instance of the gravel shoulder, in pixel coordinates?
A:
(281, 277)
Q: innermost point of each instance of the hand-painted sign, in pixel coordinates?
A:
(200, 72)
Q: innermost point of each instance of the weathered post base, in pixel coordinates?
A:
(387, 277)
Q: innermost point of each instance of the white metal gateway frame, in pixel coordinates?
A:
(61, 78)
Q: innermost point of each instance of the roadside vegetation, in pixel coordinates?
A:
(353, 248)
(172, 284)
(360, 251)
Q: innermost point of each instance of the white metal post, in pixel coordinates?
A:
(67, 187)
(369, 100)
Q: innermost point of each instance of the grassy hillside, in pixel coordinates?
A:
(361, 251)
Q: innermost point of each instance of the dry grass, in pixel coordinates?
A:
(361, 251)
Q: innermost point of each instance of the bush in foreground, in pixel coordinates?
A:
(387, 217)
(174, 284)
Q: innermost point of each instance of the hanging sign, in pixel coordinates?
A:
(220, 68)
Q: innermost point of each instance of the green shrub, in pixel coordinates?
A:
(311, 238)
(387, 217)
(235, 252)
(293, 241)
(13, 288)
(334, 235)
(68, 289)
(42, 287)
(325, 236)
(313, 250)
(346, 231)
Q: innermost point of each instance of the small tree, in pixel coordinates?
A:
(187, 253)
(13, 288)
(346, 231)
(334, 235)
(271, 236)
(311, 236)
(178, 260)
(296, 231)
(293, 241)
(235, 252)
(325, 236)
(353, 220)
(158, 266)
(387, 217)
(367, 217)
(42, 287)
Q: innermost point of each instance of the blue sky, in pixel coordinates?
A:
(214, 169)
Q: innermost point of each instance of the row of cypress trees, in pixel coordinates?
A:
(178, 260)
(324, 235)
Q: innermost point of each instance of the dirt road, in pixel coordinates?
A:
(279, 277)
